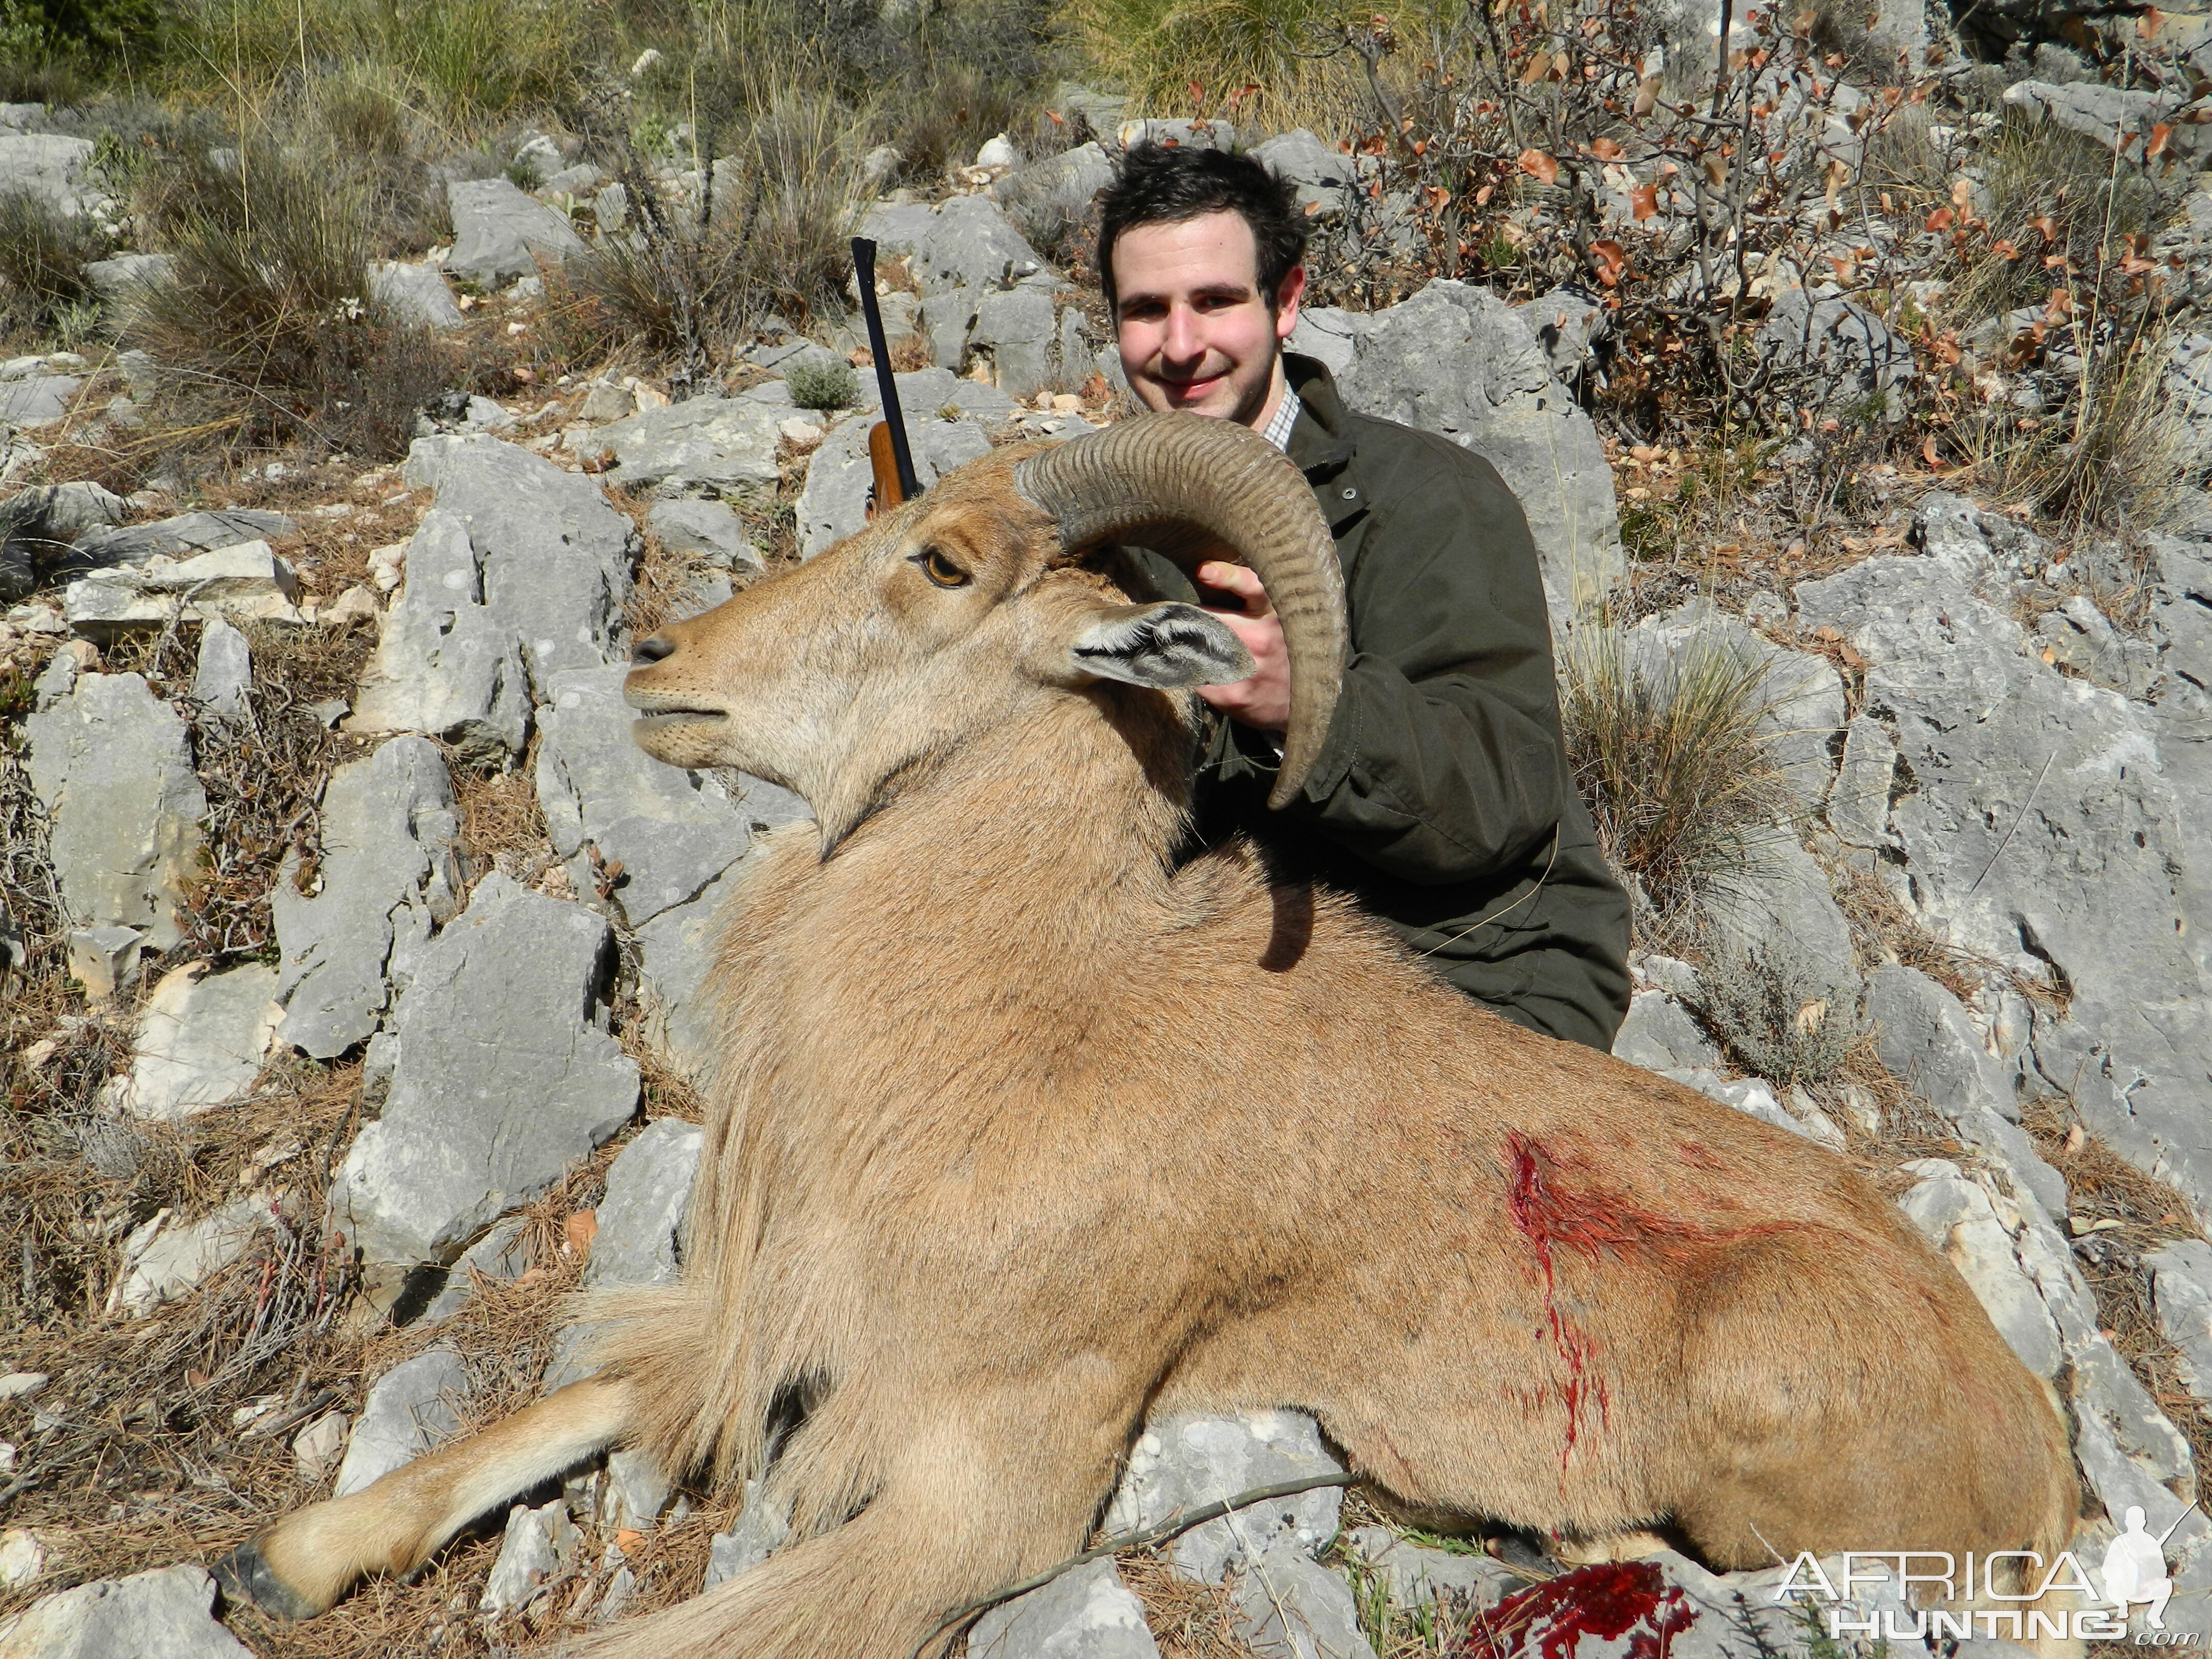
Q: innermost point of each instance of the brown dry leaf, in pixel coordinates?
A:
(1543, 168)
(1644, 201)
(581, 1229)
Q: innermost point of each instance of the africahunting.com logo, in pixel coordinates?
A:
(2133, 1575)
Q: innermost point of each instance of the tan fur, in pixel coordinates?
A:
(1023, 1131)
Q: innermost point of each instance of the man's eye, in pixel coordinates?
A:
(940, 569)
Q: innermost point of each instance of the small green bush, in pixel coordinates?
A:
(1776, 1017)
(823, 383)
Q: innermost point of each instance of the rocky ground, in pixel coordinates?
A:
(355, 953)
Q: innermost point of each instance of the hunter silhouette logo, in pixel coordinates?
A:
(2135, 1570)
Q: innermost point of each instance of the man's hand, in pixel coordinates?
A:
(1263, 701)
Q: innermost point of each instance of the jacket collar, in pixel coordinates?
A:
(1321, 443)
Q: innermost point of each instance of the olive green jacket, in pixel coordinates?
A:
(1442, 799)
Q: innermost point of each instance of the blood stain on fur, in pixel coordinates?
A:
(1605, 1602)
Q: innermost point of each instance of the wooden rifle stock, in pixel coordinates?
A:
(883, 460)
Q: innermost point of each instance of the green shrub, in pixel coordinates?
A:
(823, 383)
(1666, 750)
(1767, 1006)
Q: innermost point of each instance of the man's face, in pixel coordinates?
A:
(1195, 331)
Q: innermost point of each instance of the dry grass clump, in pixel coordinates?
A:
(775, 237)
(1157, 48)
(501, 825)
(43, 292)
(464, 62)
(268, 333)
(1667, 751)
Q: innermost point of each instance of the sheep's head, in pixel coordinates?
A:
(941, 617)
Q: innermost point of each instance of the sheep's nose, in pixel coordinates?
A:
(652, 648)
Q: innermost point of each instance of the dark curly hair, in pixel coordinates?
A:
(1162, 183)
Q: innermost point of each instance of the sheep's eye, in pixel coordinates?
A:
(940, 569)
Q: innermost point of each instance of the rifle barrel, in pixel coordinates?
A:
(864, 275)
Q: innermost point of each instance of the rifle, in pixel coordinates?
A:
(889, 457)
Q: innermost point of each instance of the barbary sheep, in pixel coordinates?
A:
(1024, 1129)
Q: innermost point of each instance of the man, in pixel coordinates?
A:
(1444, 800)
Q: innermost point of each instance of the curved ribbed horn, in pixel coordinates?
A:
(1193, 488)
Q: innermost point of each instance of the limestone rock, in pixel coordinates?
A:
(1185, 1463)
(410, 1411)
(671, 831)
(1196, 135)
(2181, 1294)
(1926, 1037)
(164, 1614)
(726, 441)
(1828, 351)
(540, 1545)
(1322, 172)
(415, 293)
(48, 165)
(761, 1530)
(1087, 1613)
(499, 234)
(503, 1254)
(2042, 829)
(648, 1190)
(1802, 695)
(1060, 188)
(247, 582)
(201, 1041)
(118, 278)
(965, 243)
(224, 673)
(103, 959)
(445, 665)
(1778, 909)
(503, 1079)
(1755, 1098)
(2105, 113)
(1456, 360)
(180, 537)
(164, 1259)
(555, 557)
(1660, 1034)
(111, 764)
(316, 1447)
(833, 503)
(707, 529)
(37, 400)
(1859, 801)
(1956, 1217)
(22, 1558)
(1290, 1607)
(1018, 332)
(637, 1491)
(389, 873)
(38, 528)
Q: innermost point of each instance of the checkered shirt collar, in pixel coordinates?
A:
(1278, 431)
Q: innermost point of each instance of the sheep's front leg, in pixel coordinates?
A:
(301, 1566)
(979, 1491)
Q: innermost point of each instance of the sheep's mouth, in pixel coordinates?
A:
(661, 720)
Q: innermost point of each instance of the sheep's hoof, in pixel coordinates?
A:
(245, 1576)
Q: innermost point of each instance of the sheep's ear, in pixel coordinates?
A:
(1169, 647)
